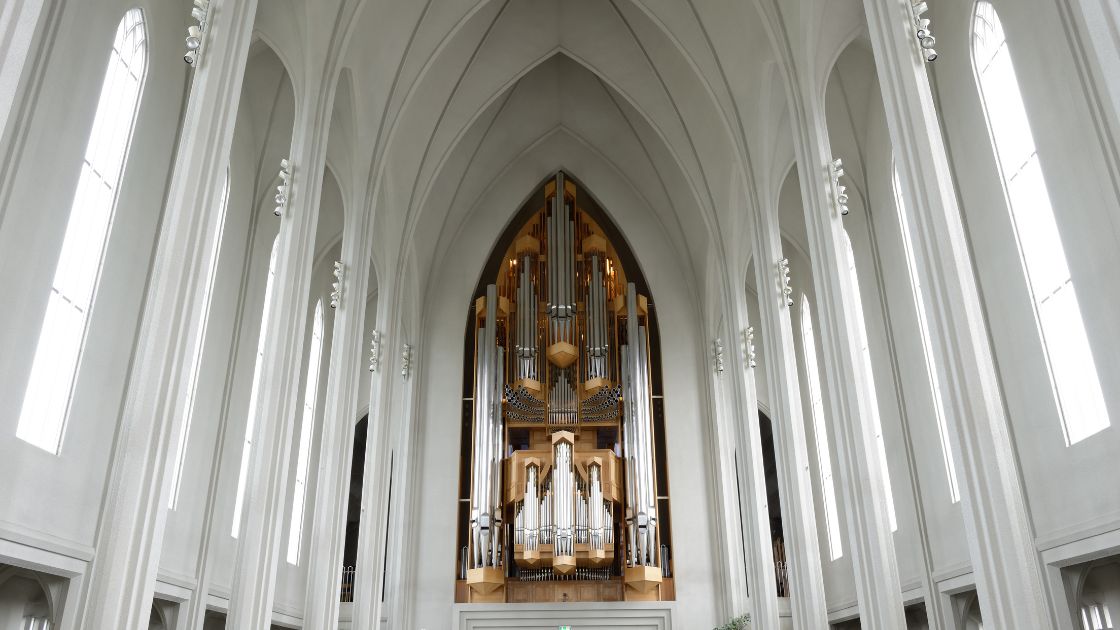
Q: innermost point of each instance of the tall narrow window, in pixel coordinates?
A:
(303, 463)
(824, 457)
(927, 342)
(254, 395)
(46, 401)
(200, 336)
(1073, 374)
(865, 353)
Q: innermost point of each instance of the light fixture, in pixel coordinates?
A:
(783, 276)
(283, 189)
(748, 346)
(336, 286)
(926, 40)
(406, 360)
(199, 14)
(375, 351)
(839, 191)
(717, 354)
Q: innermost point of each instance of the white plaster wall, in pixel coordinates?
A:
(37, 195)
(1067, 491)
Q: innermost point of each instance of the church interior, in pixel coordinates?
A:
(573, 314)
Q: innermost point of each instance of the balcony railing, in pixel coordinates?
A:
(346, 593)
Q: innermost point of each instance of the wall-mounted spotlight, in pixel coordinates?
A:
(194, 32)
(783, 276)
(336, 286)
(748, 346)
(375, 351)
(717, 354)
(839, 191)
(284, 188)
(926, 40)
(406, 361)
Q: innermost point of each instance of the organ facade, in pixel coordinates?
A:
(563, 495)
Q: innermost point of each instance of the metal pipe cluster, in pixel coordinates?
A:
(562, 401)
(561, 267)
(526, 322)
(599, 523)
(641, 518)
(563, 500)
(486, 495)
(597, 343)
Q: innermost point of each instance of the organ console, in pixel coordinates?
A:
(563, 495)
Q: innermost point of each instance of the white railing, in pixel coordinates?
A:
(346, 593)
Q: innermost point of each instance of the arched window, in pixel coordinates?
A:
(46, 401)
(865, 353)
(1073, 374)
(927, 342)
(254, 395)
(824, 457)
(200, 336)
(303, 463)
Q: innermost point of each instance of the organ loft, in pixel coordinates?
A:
(563, 495)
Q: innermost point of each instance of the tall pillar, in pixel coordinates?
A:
(750, 471)
(850, 401)
(1004, 559)
(803, 558)
(131, 526)
(259, 547)
(332, 494)
(370, 562)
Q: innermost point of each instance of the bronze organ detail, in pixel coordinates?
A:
(563, 498)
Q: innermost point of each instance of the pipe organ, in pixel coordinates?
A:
(563, 500)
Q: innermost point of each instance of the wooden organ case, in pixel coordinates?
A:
(560, 497)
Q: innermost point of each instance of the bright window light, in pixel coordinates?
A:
(865, 353)
(200, 336)
(820, 435)
(303, 463)
(46, 401)
(1073, 373)
(254, 395)
(927, 342)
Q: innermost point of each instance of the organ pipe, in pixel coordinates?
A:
(562, 435)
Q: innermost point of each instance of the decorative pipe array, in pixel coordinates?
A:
(637, 440)
(561, 267)
(527, 355)
(563, 500)
(597, 341)
(486, 513)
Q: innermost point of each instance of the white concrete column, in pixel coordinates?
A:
(849, 395)
(993, 502)
(799, 519)
(328, 534)
(130, 528)
(262, 525)
(370, 561)
(754, 517)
